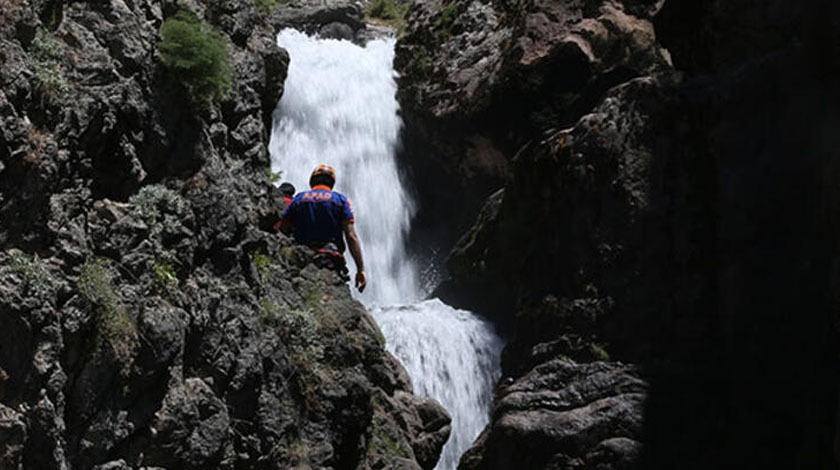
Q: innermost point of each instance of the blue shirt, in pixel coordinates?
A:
(317, 215)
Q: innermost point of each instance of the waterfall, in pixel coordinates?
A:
(339, 107)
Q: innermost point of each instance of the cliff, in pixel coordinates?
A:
(148, 318)
(670, 208)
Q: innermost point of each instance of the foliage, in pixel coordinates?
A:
(267, 7)
(273, 176)
(164, 211)
(165, 276)
(599, 352)
(390, 12)
(197, 57)
(262, 263)
(387, 10)
(299, 330)
(155, 202)
(446, 19)
(46, 54)
(35, 279)
(115, 330)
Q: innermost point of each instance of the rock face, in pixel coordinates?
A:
(146, 319)
(564, 415)
(685, 223)
(339, 19)
(479, 79)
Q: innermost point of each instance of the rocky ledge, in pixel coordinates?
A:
(148, 318)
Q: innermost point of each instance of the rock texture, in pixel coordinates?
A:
(146, 319)
(564, 415)
(479, 79)
(683, 224)
(338, 19)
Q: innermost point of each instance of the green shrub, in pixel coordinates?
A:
(446, 19)
(165, 276)
(267, 7)
(383, 9)
(299, 330)
(115, 330)
(273, 176)
(389, 11)
(46, 54)
(158, 205)
(34, 277)
(263, 264)
(196, 56)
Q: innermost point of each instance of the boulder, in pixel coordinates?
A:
(564, 415)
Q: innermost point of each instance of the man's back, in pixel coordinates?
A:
(320, 216)
(317, 216)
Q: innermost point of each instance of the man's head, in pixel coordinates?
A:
(287, 189)
(322, 175)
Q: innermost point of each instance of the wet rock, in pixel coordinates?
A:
(430, 427)
(314, 15)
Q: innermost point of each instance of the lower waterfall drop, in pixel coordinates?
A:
(339, 107)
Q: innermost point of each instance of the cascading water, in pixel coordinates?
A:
(339, 107)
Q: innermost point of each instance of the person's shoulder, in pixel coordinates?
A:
(338, 195)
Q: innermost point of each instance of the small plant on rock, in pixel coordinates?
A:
(273, 176)
(446, 20)
(196, 56)
(165, 276)
(267, 7)
(115, 330)
(390, 12)
(46, 54)
(299, 330)
(36, 280)
(262, 263)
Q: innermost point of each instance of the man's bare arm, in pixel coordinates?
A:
(355, 251)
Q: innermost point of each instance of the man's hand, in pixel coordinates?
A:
(355, 250)
(361, 281)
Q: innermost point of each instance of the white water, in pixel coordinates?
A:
(339, 108)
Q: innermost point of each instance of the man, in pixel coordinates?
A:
(288, 192)
(322, 219)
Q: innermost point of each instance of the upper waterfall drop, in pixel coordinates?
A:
(340, 108)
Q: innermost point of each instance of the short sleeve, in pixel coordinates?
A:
(347, 216)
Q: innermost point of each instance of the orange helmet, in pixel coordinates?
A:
(320, 174)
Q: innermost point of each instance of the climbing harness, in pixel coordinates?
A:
(328, 256)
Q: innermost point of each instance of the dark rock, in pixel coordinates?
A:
(429, 424)
(564, 412)
(614, 454)
(480, 79)
(312, 16)
(13, 437)
(675, 214)
(147, 319)
(191, 428)
(336, 30)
